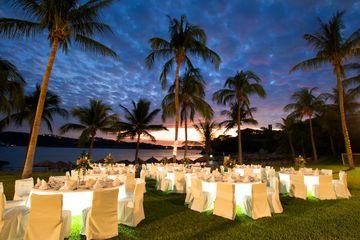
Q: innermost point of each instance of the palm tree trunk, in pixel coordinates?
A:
(186, 134)
(291, 146)
(27, 171)
(313, 141)
(240, 156)
(137, 150)
(332, 145)
(343, 119)
(177, 117)
(91, 146)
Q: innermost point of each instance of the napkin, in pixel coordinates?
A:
(43, 185)
(90, 183)
(99, 184)
(116, 182)
(38, 183)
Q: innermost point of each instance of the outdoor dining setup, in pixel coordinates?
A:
(106, 195)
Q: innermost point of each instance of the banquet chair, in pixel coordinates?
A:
(202, 200)
(163, 184)
(340, 186)
(189, 197)
(248, 171)
(273, 196)
(47, 220)
(224, 205)
(143, 174)
(130, 183)
(297, 186)
(1, 187)
(12, 221)
(325, 189)
(131, 210)
(179, 182)
(257, 205)
(23, 188)
(326, 171)
(100, 221)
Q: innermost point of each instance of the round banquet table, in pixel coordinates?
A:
(309, 181)
(76, 200)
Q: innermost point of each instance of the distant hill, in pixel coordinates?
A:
(49, 140)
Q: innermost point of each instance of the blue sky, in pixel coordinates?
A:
(262, 36)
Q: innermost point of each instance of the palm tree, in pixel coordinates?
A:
(206, 129)
(287, 126)
(65, 22)
(306, 104)
(96, 117)
(246, 116)
(185, 40)
(11, 90)
(139, 123)
(237, 90)
(351, 103)
(354, 80)
(191, 98)
(331, 47)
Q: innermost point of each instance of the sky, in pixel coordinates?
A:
(264, 36)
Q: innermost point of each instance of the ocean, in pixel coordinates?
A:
(15, 155)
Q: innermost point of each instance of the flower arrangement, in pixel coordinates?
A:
(83, 164)
(300, 161)
(109, 159)
(229, 163)
(164, 160)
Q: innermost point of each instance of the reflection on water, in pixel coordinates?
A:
(15, 155)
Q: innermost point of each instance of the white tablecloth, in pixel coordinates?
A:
(309, 181)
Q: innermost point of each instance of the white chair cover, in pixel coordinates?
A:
(340, 186)
(297, 186)
(100, 220)
(202, 200)
(324, 190)
(23, 188)
(130, 183)
(257, 205)
(131, 210)
(47, 220)
(1, 187)
(189, 197)
(179, 182)
(12, 221)
(273, 196)
(224, 205)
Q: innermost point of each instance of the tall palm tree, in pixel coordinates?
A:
(353, 80)
(139, 123)
(206, 129)
(351, 102)
(287, 126)
(237, 90)
(332, 48)
(11, 90)
(191, 98)
(306, 104)
(65, 22)
(96, 117)
(185, 40)
(28, 109)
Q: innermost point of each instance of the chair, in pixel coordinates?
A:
(100, 221)
(202, 200)
(273, 196)
(224, 205)
(189, 197)
(12, 221)
(326, 171)
(130, 183)
(163, 184)
(325, 189)
(131, 209)
(1, 187)
(23, 188)
(340, 186)
(257, 205)
(179, 182)
(47, 220)
(297, 186)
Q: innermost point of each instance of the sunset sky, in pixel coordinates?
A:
(262, 36)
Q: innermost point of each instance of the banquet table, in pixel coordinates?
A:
(309, 181)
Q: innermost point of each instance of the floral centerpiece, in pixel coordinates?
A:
(83, 164)
(109, 159)
(300, 161)
(229, 163)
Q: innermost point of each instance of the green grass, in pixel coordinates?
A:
(168, 218)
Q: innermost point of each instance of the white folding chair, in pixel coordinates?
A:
(47, 220)
(100, 221)
(257, 205)
(224, 205)
(297, 186)
(325, 189)
(131, 210)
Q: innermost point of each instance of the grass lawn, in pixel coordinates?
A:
(168, 218)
